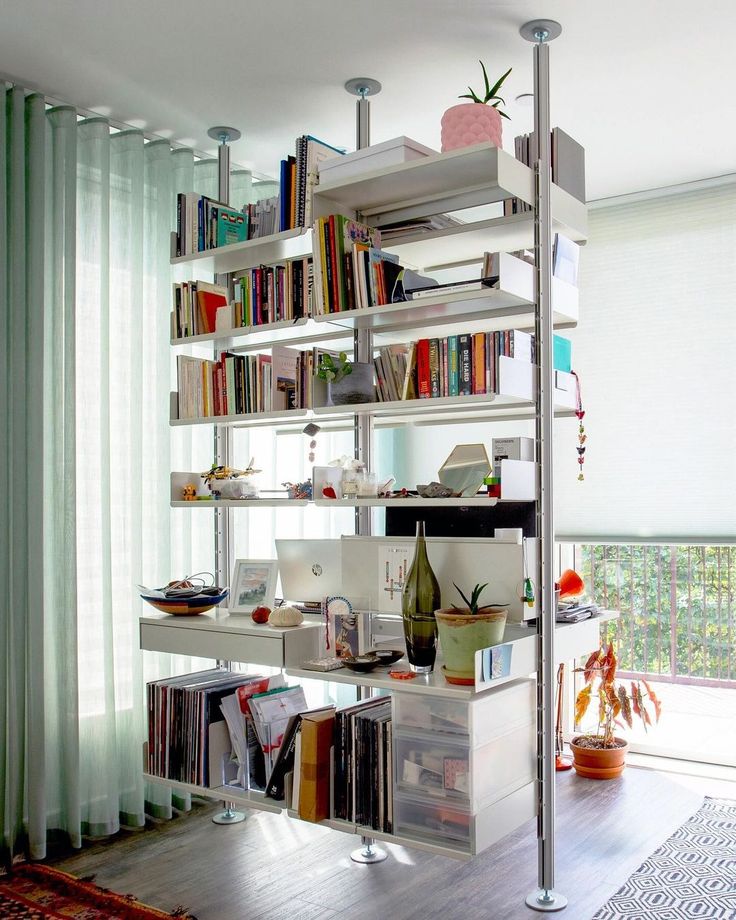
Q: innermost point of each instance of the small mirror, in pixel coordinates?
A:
(465, 469)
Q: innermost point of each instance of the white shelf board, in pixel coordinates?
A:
(304, 331)
(290, 244)
(466, 177)
(412, 501)
(220, 620)
(466, 243)
(252, 419)
(243, 503)
(437, 317)
(442, 410)
(247, 798)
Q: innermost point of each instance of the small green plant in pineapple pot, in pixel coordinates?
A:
(347, 382)
(465, 630)
(478, 120)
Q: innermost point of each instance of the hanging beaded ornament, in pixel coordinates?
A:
(311, 431)
(582, 437)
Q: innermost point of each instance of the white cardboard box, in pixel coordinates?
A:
(389, 153)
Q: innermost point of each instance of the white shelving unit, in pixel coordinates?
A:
(527, 297)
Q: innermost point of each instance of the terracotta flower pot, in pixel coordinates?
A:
(470, 123)
(599, 763)
(463, 633)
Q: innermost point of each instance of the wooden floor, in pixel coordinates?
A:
(275, 868)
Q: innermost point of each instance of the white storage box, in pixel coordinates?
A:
(390, 153)
(481, 719)
(437, 821)
(443, 767)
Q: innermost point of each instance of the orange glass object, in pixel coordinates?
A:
(571, 584)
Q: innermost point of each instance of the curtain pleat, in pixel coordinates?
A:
(59, 546)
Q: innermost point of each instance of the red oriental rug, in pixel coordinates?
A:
(33, 892)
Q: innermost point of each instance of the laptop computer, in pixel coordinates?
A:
(310, 570)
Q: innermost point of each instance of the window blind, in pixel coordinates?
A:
(655, 351)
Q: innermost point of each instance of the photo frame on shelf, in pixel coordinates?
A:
(347, 631)
(253, 585)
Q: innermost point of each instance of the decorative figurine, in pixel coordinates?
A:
(189, 493)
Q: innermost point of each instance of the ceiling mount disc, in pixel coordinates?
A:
(363, 86)
(540, 30)
(224, 134)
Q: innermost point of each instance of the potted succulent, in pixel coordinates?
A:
(465, 630)
(602, 754)
(347, 382)
(475, 121)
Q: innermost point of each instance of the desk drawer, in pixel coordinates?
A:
(206, 643)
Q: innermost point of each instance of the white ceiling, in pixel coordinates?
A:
(647, 87)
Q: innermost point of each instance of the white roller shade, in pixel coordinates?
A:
(656, 354)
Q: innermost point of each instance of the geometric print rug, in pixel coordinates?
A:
(690, 877)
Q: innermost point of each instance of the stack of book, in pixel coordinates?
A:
(567, 166)
(351, 271)
(271, 293)
(181, 712)
(464, 365)
(244, 384)
(263, 218)
(364, 764)
(205, 223)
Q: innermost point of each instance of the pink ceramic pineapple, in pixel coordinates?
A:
(472, 122)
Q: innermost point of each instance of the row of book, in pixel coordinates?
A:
(351, 270)
(465, 365)
(395, 373)
(271, 293)
(237, 384)
(195, 308)
(567, 166)
(182, 714)
(204, 223)
(363, 761)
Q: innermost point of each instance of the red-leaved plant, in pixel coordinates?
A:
(614, 699)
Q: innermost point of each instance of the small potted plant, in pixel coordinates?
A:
(347, 382)
(475, 121)
(465, 630)
(602, 754)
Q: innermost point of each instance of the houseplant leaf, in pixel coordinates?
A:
(582, 702)
(625, 702)
(489, 92)
(655, 700)
(499, 83)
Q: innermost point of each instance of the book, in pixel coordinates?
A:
(452, 287)
(210, 297)
(316, 743)
(465, 366)
(231, 226)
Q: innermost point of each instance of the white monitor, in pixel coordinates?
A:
(310, 570)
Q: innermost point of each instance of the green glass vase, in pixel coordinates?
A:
(420, 598)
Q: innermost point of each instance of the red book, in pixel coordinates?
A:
(209, 303)
(423, 375)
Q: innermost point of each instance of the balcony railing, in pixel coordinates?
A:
(678, 610)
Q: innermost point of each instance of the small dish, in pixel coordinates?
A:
(387, 656)
(361, 663)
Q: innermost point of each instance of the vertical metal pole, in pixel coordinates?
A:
(368, 852)
(545, 898)
(223, 442)
(363, 338)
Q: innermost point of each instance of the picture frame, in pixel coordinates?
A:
(253, 585)
(347, 631)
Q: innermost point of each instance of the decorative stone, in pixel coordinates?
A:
(286, 616)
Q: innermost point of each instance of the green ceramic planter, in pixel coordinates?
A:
(462, 634)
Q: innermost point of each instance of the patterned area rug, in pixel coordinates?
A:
(690, 877)
(34, 892)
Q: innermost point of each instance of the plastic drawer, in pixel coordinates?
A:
(491, 714)
(443, 767)
(436, 820)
